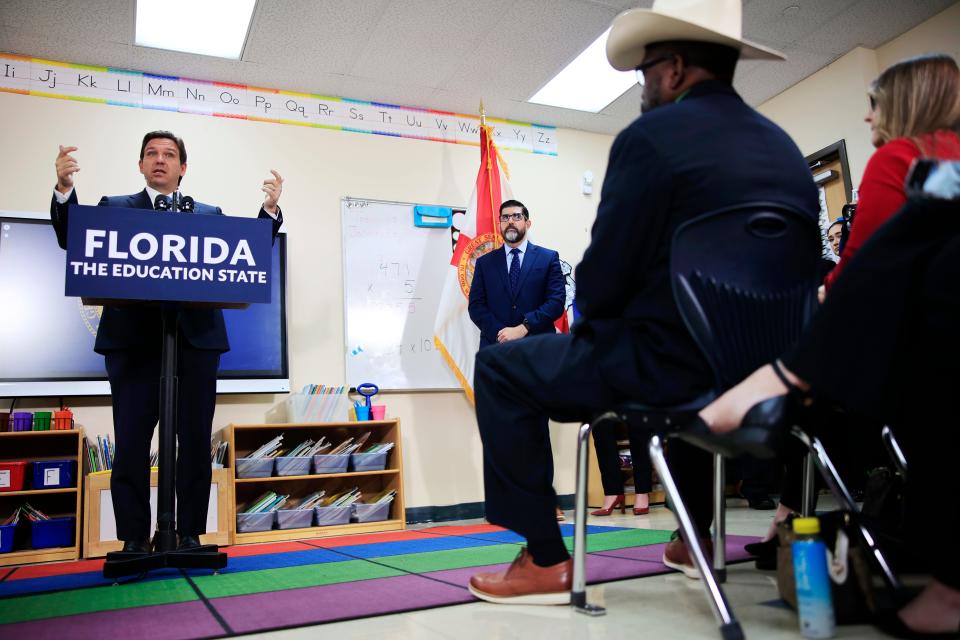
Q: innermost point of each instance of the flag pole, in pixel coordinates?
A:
(483, 114)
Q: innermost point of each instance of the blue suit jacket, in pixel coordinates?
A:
(708, 151)
(137, 326)
(539, 298)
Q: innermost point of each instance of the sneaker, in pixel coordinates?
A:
(677, 556)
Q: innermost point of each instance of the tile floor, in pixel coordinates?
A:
(664, 607)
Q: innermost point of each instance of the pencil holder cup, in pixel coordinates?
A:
(378, 412)
(363, 413)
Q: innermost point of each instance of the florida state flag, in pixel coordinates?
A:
(455, 335)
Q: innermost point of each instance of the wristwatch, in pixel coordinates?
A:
(526, 325)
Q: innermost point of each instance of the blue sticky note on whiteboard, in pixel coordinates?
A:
(434, 217)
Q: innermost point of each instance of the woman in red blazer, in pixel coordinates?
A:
(911, 116)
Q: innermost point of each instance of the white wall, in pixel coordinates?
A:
(228, 160)
(830, 105)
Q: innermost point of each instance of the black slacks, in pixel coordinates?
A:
(515, 385)
(135, 388)
(900, 301)
(608, 459)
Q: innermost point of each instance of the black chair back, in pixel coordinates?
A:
(745, 283)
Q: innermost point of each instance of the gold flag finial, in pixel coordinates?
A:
(483, 114)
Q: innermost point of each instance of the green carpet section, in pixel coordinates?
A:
(66, 603)
(452, 558)
(315, 575)
(622, 539)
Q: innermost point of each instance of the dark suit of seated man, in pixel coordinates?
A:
(697, 148)
(129, 338)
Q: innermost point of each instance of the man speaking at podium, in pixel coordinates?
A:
(130, 339)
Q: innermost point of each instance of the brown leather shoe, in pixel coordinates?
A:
(525, 583)
(676, 555)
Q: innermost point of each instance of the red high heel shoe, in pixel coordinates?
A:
(641, 511)
(619, 502)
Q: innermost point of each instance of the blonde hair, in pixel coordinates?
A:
(917, 96)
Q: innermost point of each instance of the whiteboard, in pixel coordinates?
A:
(393, 273)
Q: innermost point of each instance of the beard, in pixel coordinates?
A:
(512, 234)
(650, 98)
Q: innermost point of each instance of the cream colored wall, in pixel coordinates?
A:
(228, 160)
(830, 105)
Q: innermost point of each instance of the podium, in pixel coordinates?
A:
(168, 262)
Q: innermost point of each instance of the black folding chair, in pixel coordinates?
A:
(744, 282)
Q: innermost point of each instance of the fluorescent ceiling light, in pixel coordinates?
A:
(208, 27)
(588, 83)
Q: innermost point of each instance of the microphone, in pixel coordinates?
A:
(186, 204)
(160, 203)
(175, 201)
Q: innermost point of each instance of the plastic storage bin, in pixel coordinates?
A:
(294, 518)
(327, 516)
(293, 466)
(21, 421)
(55, 532)
(254, 467)
(325, 463)
(6, 537)
(63, 420)
(13, 475)
(248, 522)
(54, 474)
(376, 461)
(371, 512)
(41, 420)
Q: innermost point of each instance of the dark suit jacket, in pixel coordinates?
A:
(539, 297)
(133, 326)
(708, 151)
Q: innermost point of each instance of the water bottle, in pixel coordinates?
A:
(814, 603)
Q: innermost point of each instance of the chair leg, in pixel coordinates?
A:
(719, 519)
(729, 626)
(578, 594)
(893, 448)
(808, 503)
(839, 490)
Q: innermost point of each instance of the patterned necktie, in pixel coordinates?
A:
(514, 270)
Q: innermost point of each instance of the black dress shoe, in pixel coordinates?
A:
(188, 542)
(763, 428)
(765, 553)
(136, 546)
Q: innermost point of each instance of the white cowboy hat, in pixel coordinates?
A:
(716, 21)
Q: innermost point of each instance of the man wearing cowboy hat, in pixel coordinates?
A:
(697, 148)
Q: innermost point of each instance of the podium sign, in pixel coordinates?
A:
(139, 254)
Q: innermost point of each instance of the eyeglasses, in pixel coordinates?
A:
(873, 102)
(646, 65)
(507, 217)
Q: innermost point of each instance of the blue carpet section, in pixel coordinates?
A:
(280, 560)
(73, 581)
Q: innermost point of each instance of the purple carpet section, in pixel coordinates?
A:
(343, 601)
(181, 621)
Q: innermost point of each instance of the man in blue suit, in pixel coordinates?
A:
(129, 338)
(696, 149)
(518, 289)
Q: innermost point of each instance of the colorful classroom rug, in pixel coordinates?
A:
(292, 584)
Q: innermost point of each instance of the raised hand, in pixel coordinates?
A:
(273, 187)
(66, 166)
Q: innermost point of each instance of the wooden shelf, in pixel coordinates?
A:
(245, 438)
(37, 492)
(319, 476)
(66, 444)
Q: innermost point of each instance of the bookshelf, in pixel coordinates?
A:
(245, 438)
(43, 445)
